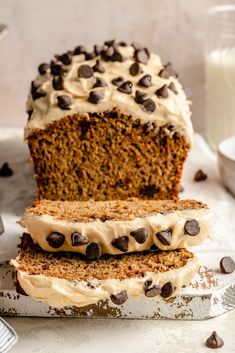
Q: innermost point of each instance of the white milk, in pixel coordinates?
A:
(220, 78)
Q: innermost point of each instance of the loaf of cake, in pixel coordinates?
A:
(94, 228)
(66, 279)
(109, 124)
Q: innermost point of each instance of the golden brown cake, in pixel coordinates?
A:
(109, 124)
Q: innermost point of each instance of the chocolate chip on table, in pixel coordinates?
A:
(5, 170)
(140, 96)
(100, 83)
(227, 265)
(126, 87)
(214, 341)
(98, 67)
(162, 92)
(167, 71)
(135, 69)
(118, 81)
(77, 239)
(140, 235)
(148, 105)
(42, 69)
(64, 102)
(80, 49)
(121, 243)
(167, 290)
(95, 97)
(58, 82)
(192, 227)
(93, 251)
(165, 236)
(85, 71)
(172, 87)
(200, 175)
(55, 240)
(38, 94)
(142, 55)
(66, 58)
(119, 298)
(153, 291)
(145, 81)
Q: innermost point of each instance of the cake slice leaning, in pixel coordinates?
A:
(94, 228)
(66, 279)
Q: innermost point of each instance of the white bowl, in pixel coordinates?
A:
(226, 163)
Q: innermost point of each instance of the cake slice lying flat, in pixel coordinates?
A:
(66, 279)
(115, 227)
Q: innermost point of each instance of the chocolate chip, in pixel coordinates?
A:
(100, 83)
(181, 188)
(57, 68)
(64, 102)
(90, 56)
(66, 58)
(165, 236)
(192, 227)
(162, 92)
(214, 341)
(98, 49)
(153, 291)
(167, 290)
(135, 69)
(142, 55)
(55, 240)
(30, 112)
(109, 43)
(118, 81)
(172, 87)
(43, 68)
(167, 71)
(122, 44)
(147, 284)
(5, 170)
(148, 105)
(93, 251)
(227, 265)
(200, 176)
(149, 190)
(140, 235)
(85, 71)
(34, 86)
(77, 239)
(117, 56)
(119, 298)
(145, 81)
(121, 243)
(79, 50)
(107, 54)
(38, 94)
(98, 67)
(126, 87)
(95, 97)
(140, 96)
(58, 82)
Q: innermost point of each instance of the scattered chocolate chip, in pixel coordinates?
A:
(95, 97)
(100, 83)
(126, 87)
(140, 235)
(98, 67)
(109, 43)
(58, 82)
(121, 243)
(34, 86)
(148, 105)
(118, 81)
(214, 341)
(66, 58)
(117, 56)
(30, 112)
(42, 69)
(55, 240)
(153, 291)
(140, 96)
(181, 188)
(135, 69)
(227, 265)
(119, 298)
(57, 68)
(172, 87)
(5, 170)
(149, 190)
(64, 102)
(192, 227)
(167, 71)
(122, 44)
(38, 94)
(142, 55)
(98, 49)
(77, 239)
(85, 71)
(79, 50)
(145, 81)
(93, 251)
(90, 56)
(200, 176)
(162, 92)
(167, 290)
(165, 236)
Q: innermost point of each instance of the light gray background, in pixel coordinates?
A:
(39, 29)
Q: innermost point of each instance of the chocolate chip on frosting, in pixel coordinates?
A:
(95, 97)
(77, 239)
(227, 265)
(98, 67)
(57, 68)
(119, 298)
(167, 290)
(135, 69)
(153, 291)
(90, 56)
(29, 112)
(85, 71)
(5, 170)
(140, 96)
(34, 86)
(66, 58)
(55, 240)
(38, 94)
(43, 68)
(100, 83)
(64, 102)
(148, 105)
(192, 227)
(118, 81)
(214, 341)
(167, 71)
(58, 82)
(126, 87)
(109, 43)
(140, 235)
(145, 81)
(172, 87)
(98, 49)
(117, 56)
(142, 55)
(121, 243)
(165, 236)
(162, 92)
(80, 49)
(93, 251)
(122, 44)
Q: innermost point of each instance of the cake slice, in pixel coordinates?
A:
(68, 279)
(94, 228)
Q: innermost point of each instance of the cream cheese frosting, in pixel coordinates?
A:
(103, 233)
(172, 110)
(58, 292)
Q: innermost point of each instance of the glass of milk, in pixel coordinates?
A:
(220, 74)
